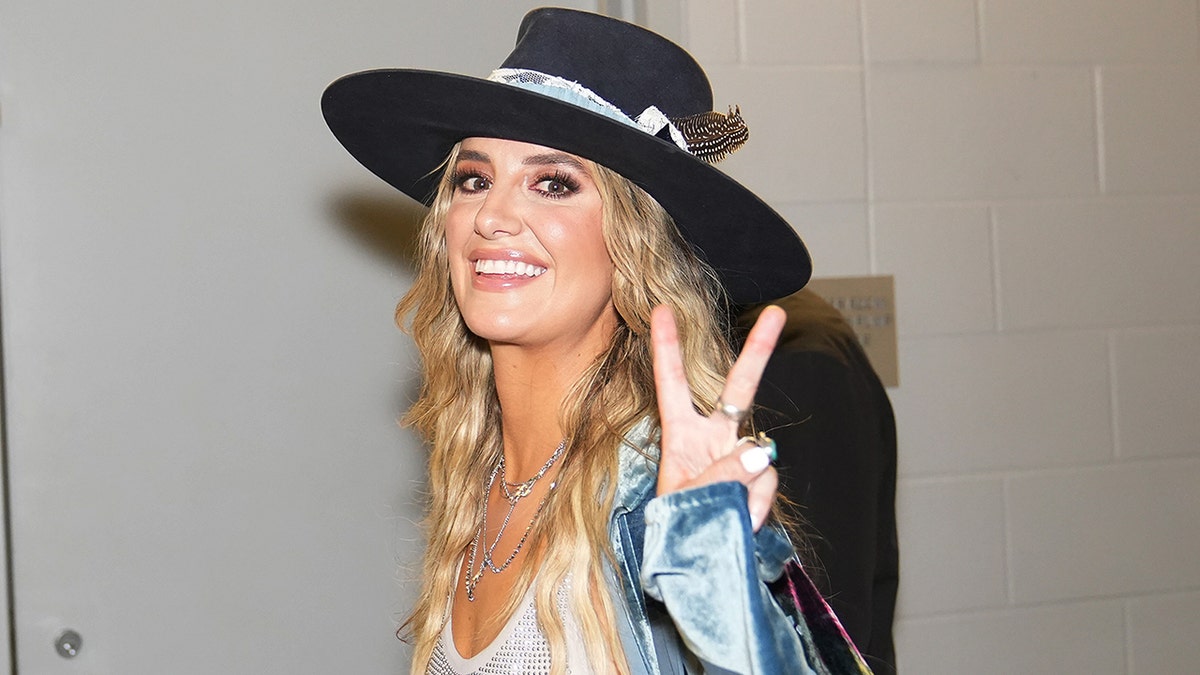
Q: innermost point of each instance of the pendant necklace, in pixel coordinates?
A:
(513, 493)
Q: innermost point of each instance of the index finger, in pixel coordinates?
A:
(742, 382)
(670, 382)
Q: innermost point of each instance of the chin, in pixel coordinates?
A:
(495, 326)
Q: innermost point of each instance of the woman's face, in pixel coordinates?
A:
(525, 245)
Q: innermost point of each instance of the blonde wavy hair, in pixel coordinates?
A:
(459, 415)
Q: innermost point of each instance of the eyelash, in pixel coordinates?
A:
(459, 181)
(568, 182)
(459, 178)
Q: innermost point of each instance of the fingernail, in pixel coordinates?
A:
(755, 459)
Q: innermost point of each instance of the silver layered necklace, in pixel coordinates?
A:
(513, 493)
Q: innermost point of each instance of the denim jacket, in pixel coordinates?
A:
(690, 592)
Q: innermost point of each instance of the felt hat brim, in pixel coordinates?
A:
(402, 123)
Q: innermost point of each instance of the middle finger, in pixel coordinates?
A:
(742, 382)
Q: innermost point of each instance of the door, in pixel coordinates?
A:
(202, 374)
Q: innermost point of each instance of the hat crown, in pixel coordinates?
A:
(629, 66)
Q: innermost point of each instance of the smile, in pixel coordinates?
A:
(510, 267)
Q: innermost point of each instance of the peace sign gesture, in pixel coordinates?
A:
(699, 450)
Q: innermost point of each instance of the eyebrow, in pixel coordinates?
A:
(554, 158)
(473, 155)
(543, 159)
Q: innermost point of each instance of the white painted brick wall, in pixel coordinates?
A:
(953, 559)
(1150, 118)
(960, 132)
(1062, 639)
(928, 31)
(1155, 404)
(1163, 632)
(941, 293)
(801, 32)
(1029, 170)
(823, 164)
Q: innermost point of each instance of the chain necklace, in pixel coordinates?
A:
(513, 493)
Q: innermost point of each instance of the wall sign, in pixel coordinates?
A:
(869, 305)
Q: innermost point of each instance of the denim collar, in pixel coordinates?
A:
(637, 466)
(637, 478)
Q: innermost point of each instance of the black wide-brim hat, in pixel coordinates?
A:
(402, 123)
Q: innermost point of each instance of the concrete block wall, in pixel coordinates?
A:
(1029, 170)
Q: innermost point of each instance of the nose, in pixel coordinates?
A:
(498, 215)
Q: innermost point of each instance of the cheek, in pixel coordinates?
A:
(583, 236)
(595, 248)
(456, 231)
(457, 226)
(591, 256)
(458, 280)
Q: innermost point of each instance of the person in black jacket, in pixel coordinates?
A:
(822, 402)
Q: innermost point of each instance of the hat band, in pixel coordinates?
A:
(651, 120)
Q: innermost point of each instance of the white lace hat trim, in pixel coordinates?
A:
(651, 120)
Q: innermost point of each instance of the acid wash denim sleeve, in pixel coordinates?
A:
(702, 562)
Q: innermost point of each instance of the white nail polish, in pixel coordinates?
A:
(755, 459)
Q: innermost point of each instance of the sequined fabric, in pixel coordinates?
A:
(519, 649)
(525, 652)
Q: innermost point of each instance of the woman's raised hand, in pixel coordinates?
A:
(699, 450)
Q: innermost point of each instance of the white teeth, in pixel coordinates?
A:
(488, 266)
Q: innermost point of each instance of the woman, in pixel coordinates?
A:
(560, 246)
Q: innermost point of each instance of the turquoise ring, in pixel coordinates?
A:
(762, 440)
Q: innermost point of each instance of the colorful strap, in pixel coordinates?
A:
(829, 647)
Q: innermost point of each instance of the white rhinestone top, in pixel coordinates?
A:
(519, 648)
